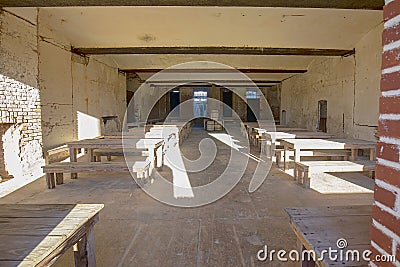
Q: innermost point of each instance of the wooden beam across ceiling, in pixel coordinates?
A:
(335, 4)
(176, 70)
(261, 51)
(243, 82)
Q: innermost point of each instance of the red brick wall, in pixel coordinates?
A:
(385, 230)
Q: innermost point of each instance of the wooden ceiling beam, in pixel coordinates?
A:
(335, 4)
(260, 51)
(200, 70)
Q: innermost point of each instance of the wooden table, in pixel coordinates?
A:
(269, 140)
(156, 150)
(37, 235)
(318, 228)
(118, 135)
(184, 128)
(106, 143)
(320, 144)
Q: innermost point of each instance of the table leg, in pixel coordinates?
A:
(296, 155)
(354, 153)
(285, 158)
(372, 154)
(90, 155)
(73, 158)
(159, 154)
(152, 157)
(84, 250)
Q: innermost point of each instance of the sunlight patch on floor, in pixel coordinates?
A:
(182, 186)
(326, 183)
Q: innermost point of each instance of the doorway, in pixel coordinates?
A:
(227, 100)
(174, 98)
(322, 115)
(253, 105)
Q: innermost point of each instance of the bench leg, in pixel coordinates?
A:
(73, 158)
(50, 180)
(286, 159)
(59, 178)
(371, 174)
(108, 158)
(84, 250)
(306, 179)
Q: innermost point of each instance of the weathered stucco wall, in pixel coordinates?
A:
(350, 85)
(76, 91)
(69, 93)
(20, 114)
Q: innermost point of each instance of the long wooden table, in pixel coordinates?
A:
(110, 143)
(318, 228)
(269, 140)
(320, 144)
(184, 128)
(37, 235)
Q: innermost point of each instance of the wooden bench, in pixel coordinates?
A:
(56, 154)
(55, 171)
(304, 169)
(98, 153)
(142, 171)
(279, 152)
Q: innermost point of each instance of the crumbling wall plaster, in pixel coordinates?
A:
(20, 109)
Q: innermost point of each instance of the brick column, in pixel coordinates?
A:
(385, 229)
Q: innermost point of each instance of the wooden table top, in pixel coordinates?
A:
(98, 143)
(143, 143)
(111, 143)
(33, 235)
(319, 228)
(328, 144)
(135, 134)
(278, 128)
(298, 135)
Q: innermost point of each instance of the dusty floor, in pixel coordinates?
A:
(136, 230)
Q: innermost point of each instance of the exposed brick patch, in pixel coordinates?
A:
(398, 253)
(388, 175)
(385, 197)
(386, 219)
(389, 105)
(20, 106)
(389, 128)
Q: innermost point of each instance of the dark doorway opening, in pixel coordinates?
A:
(323, 115)
(174, 100)
(253, 105)
(227, 100)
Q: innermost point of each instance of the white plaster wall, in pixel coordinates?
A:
(76, 91)
(350, 85)
(98, 90)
